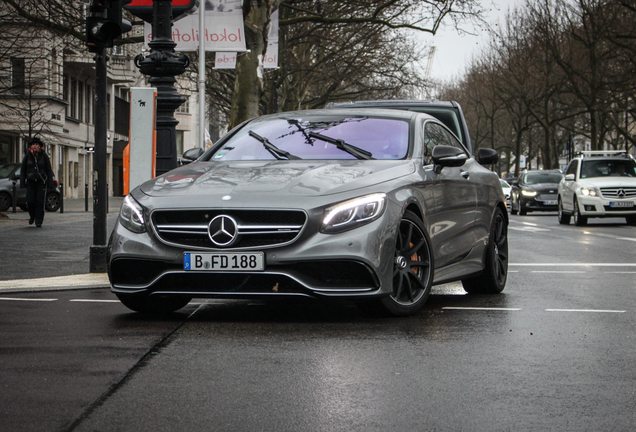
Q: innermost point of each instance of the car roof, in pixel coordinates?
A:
(357, 112)
(394, 103)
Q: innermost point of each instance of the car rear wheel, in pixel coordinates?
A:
(493, 279)
(631, 220)
(155, 304)
(52, 203)
(412, 271)
(5, 201)
(564, 219)
(576, 215)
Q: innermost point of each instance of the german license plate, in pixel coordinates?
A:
(622, 204)
(550, 202)
(224, 261)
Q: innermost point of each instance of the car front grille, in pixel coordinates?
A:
(619, 192)
(546, 197)
(255, 228)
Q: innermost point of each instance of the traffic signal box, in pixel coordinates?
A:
(105, 24)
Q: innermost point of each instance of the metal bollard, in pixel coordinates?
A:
(61, 197)
(85, 196)
(13, 195)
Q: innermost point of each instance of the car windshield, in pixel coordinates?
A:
(301, 139)
(504, 184)
(608, 168)
(538, 178)
(5, 170)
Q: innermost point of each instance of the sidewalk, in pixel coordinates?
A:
(56, 256)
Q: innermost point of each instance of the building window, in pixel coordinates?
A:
(88, 104)
(184, 108)
(18, 75)
(179, 143)
(73, 98)
(65, 92)
(80, 100)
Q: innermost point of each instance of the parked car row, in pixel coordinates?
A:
(10, 173)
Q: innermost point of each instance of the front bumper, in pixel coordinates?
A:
(538, 203)
(604, 207)
(356, 263)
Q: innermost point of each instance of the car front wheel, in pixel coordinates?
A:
(52, 203)
(564, 219)
(5, 201)
(493, 279)
(156, 304)
(412, 271)
(576, 215)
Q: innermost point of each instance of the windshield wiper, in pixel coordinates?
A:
(275, 151)
(349, 148)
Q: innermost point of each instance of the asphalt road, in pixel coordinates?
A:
(555, 351)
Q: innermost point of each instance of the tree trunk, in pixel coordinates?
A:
(248, 86)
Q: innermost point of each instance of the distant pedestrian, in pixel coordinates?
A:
(36, 173)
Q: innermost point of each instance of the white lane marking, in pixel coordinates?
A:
(27, 299)
(556, 271)
(616, 272)
(626, 238)
(573, 264)
(481, 308)
(88, 280)
(585, 310)
(528, 229)
(530, 223)
(94, 301)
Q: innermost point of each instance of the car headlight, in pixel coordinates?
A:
(353, 213)
(131, 215)
(589, 192)
(528, 193)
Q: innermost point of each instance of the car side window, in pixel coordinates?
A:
(454, 142)
(572, 167)
(434, 135)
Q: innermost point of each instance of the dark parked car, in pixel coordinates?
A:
(11, 172)
(369, 205)
(535, 190)
(448, 112)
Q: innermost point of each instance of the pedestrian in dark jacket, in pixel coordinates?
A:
(36, 173)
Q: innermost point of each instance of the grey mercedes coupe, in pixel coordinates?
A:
(370, 205)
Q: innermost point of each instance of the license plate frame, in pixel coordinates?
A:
(622, 204)
(550, 202)
(224, 261)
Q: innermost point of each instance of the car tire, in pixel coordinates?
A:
(5, 201)
(412, 271)
(495, 274)
(513, 211)
(154, 305)
(576, 214)
(522, 212)
(631, 220)
(564, 219)
(52, 203)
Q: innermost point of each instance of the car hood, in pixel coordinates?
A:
(602, 182)
(542, 187)
(258, 179)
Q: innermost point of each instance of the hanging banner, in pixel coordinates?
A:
(227, 60)
(223, 28)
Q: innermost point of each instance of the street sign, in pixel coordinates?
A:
(143, 8)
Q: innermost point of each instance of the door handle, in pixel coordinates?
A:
(465, 174)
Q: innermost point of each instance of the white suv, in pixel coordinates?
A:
(598, 184)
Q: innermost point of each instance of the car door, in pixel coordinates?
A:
(452, 231)
(568, 187)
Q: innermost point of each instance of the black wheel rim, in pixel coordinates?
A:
(500, 241)
(412, 265)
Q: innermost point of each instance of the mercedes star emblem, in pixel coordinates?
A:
(223, 230)
(621, 193)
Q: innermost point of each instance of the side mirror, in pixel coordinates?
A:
(514, 182)
(447, 156)
(569, 177)
(191, 155)
(487, 156)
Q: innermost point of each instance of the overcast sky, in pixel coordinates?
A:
(454, 51)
